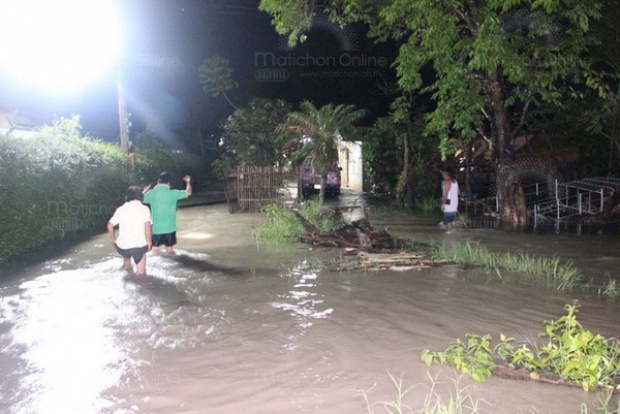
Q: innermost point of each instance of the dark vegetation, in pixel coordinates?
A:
(63, 183)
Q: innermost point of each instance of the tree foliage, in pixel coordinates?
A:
(216, 77)
(251, 133)
(534, 47)
(382, 154)
(491, 61)
(290, 17)
(602, 117)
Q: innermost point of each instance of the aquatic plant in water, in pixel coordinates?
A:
(458, 402)
(283, 225)
(571, 354)
(606, 405)
(562, 275)
(610, 290)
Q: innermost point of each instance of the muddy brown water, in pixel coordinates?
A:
(231, 327)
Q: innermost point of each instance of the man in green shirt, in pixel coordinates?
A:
(163, 201)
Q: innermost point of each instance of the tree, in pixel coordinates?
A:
(382, 154)
(215, 76)
(317, 132)
(492, 61)
(398, 156)
(602, 116)
(252, 133)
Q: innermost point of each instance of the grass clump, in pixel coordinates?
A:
(458, 402)
(606, 405)
(570, 354)
(557, 274)
(283, 225)
(610, 290)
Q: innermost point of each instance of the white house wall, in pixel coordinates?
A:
(350, 158)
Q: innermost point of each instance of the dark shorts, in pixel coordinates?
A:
(136, 253)
(449, 217)
(167, 239)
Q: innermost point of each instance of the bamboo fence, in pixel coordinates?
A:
(257, 186)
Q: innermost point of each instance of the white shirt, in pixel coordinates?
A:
(453, 196)
(131, 218)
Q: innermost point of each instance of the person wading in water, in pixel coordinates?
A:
(449, 198)
(163, 201)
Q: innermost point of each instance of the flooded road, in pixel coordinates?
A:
(227, 326)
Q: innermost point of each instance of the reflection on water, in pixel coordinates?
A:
(70, 335)
(303, 302)
(232, 332)
(65, 335)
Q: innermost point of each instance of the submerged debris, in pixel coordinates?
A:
(390, 261)
(366, 248)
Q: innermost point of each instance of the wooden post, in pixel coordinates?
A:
(122, 113)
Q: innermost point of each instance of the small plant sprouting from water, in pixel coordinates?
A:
(571, 354)
(561, 275)
(395, 406)
(459, 402)
(283, 225)
(606, 405)
(610, 290)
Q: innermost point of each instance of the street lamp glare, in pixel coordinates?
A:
(59, 45)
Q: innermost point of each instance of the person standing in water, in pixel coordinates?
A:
(134, 230)
(449, 198)
(163, 201)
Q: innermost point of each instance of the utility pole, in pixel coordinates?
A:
(122, 114)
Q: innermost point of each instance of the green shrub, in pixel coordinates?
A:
(57, 184)
(62, 182)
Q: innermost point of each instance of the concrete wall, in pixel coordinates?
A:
(350, 160)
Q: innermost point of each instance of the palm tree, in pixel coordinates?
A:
(318, 131)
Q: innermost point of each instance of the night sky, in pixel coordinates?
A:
(165, 41)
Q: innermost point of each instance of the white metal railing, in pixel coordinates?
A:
(586, 196)
(574, 198)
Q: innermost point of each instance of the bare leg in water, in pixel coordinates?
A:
(126, 264)
(141, 266)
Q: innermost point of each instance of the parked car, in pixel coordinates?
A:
(311, 180)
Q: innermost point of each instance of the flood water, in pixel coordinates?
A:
(227, 326)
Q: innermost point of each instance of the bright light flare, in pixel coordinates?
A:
(196, 235)
(59, 45)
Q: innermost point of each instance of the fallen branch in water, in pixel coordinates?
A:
(359, 234)
(395, 262)
(504, 371)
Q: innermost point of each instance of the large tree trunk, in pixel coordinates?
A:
(515, 207)
(511, 205)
